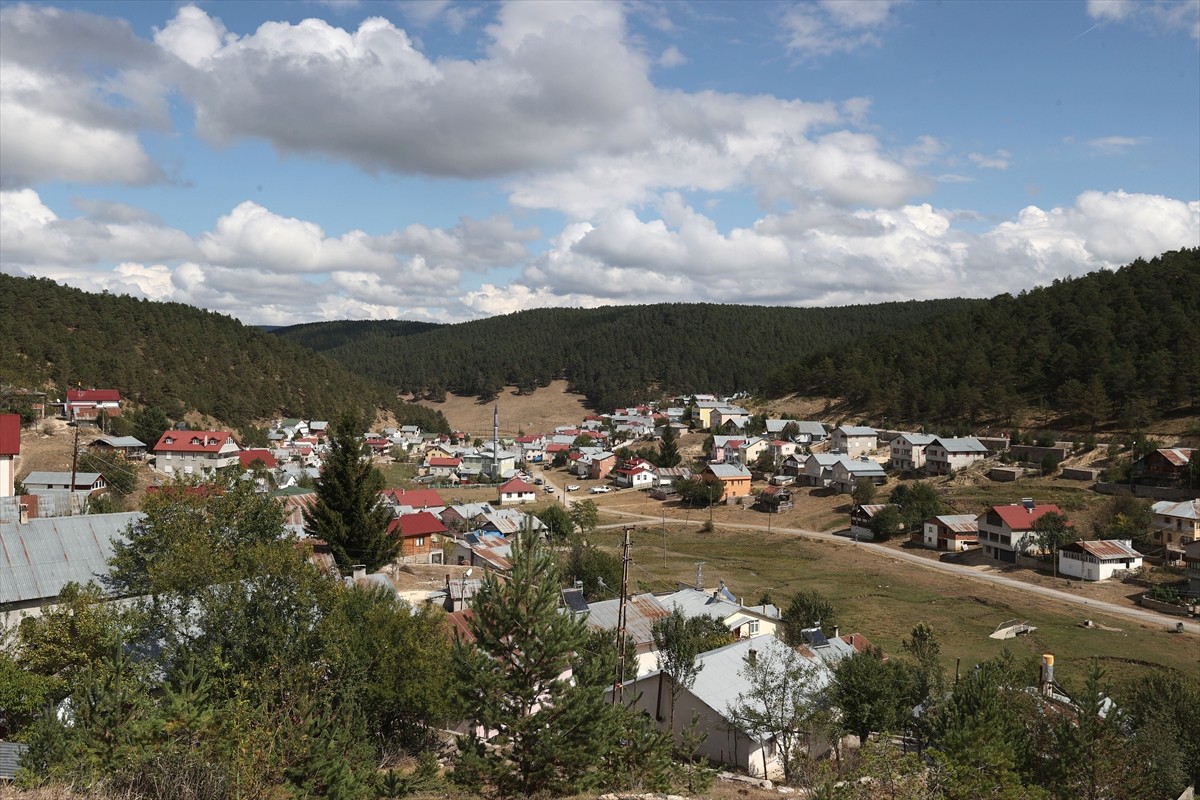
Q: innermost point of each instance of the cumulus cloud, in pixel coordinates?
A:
(75, 88)
(672, 57)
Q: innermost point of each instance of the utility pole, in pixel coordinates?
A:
(618, 687)
(699, 575)
(74, 469)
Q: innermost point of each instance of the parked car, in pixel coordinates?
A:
(600, 490)
(573, 487)
(538, 481)
(549, 490)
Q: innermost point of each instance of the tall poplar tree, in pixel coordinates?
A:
(350, 514)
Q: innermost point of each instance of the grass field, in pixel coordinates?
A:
(884, 598)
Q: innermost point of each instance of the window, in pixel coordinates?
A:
(753, 627)
(419, 541)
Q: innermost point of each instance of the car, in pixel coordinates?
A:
(572, 487)
(538, 481)
(600, 490)
(549, 490)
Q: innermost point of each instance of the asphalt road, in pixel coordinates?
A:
(1125, 612)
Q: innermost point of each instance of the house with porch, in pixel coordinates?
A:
(420, 537)
(87, 405)
(1005, 531)
(951, 532)
(1164, 467)
(635, 473)
(944, 456)
(1098, 560)
(128, 446)
(1176, 524)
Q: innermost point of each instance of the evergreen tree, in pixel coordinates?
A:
(350, 514)
(551, 732)
(668, 448)
(807, 609)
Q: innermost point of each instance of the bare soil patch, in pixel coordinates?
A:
(540, 412)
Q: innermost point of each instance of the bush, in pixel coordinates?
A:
(1049, 464)
(1044, 439)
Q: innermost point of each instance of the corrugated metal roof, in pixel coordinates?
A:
(40, 557)
(10, 758)
(724, 471)
(53, 478)
(1188, 509)
(967, 444)
(959, 523)
(1107, 548)
(640, 613)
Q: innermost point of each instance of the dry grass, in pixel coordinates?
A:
(541, 411)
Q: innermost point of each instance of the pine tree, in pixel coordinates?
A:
(349, 513)
(549, 733)
(668, 448)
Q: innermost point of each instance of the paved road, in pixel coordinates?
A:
(1125, 612)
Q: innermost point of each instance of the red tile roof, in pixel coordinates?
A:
(10, 434)
(420, 524)
(248, 457)
(417, 498)
(517, 486)
(445, 462)
(93, 396)
(1019, 518)
(192, 441)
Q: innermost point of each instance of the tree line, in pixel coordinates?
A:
(175, 358)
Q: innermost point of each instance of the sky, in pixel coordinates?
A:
(287, 162)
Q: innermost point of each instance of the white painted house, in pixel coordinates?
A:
(908, 450)
(1098, 560)
(517, 491)
(946, 455)
(853, 440)
(194, 452)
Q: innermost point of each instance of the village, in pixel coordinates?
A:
(467, 497)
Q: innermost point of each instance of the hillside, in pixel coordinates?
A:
(612, 355)
(174, 357)
(1119, 347)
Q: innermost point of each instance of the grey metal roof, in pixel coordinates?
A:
(968, 444)
(1187, 509)
(121, 441)
(917, 439)
(40, 557)
(856, 430)
(729, 470)
(50, 478)
(640, 613)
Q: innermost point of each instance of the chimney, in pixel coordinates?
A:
(360, 572)
(752, 656)
(23, 514)
(1047, 673)
(836, 632)
(447, 580)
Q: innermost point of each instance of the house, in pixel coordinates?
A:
(724, 448)
(442, 466)
(666, 476)
(818, 468)
(601, 465)
(419, 537)
(952, 532)
(88, 405)
(734, 479)
(775, 499)
(1005, 531)
(702, 412)
(517, 491)
(39, 557)
(39, 482)
(743, 621)
(861, 518)
(780, 449)
(1176, 524)
(1165, 467)
(489, 551)
(720, 681)
(641, 612)
(749, 450)
(10, 450)
(724, 414)
(636, 473)
(908, 450)
(846, 472)
(128, 446)
(194, 452)
(249, 458)
(853, 440)
(419, 499)
(1098, 560)
(944, 456)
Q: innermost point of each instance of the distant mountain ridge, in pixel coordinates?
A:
(175, 357)
(614, 355)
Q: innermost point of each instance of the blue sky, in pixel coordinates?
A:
(286, 162)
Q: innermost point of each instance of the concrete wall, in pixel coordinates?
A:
(1022, 452)
(1080, 474)
(1153, 492)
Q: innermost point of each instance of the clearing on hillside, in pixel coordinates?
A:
(539, 412)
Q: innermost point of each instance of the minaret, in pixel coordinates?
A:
(496, 441)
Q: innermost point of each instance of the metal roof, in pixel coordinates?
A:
(1104, 549)
(11, 754)
(959, 523)
(39, 558)
(968, 444)
(120, 441)
(729, 470)
(640, 613)
(49, 478)
(1187, 509)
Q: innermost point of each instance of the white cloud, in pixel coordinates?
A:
(999, 160)
(1159, 16)
(672, 57)
(817, 30)
(1110, 145)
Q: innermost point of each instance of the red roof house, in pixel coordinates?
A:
(193, 452)
(418, 533)
(517, 491)
(248, 457)
(414, 498)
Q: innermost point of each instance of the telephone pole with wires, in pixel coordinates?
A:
(618, 687)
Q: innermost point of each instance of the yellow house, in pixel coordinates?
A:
(734, 478)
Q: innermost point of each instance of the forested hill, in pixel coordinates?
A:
(613, 355)
(1121, 345)
(174, 357)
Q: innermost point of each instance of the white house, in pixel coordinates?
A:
(517, 491)
(818, 468)
(853, 440)
(908, 450)
(1098, 560)
(1176, 524)
(953, 532)
(1005, 531)
(194, 452)
(846, 472)
(944, 456)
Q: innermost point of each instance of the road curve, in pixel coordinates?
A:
(1124, 612)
